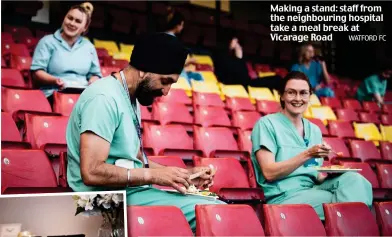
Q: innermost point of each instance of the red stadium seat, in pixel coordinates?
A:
(3, 63)
(107, 71)
(236, 103)
(18, 33)
(46, 133)
(365, 150)
(369, 118)
(384, 217)
(366, 171)
(21, 63)
(245, 120)
(10, 136)
(207, 99)
(386, 119)
(371, 106)
(227, 220)
(157, 221)
(386, 150)
(176, 96)
(342, 219)
(30, 42)
(384, 174)
(64, 103)
(6, 38)
(267, 107)
(352, 104)
(342, 129)
(146, 115)
(179, 144)
(15, 49)
(26, 168)
(348, 115)
(338, 145)
(321, 125)
(332, 102)
(204, 67)
(292, 220)
(108, 62)
(172, 113)
(244, 140)
(262, 67)
(12, 78)
(230, 188)
(13, 100)
(387, 108)
(208, 116)
(217, 142)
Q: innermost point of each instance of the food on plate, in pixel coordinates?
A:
(333, 167)
(339, 154)
(193, 190)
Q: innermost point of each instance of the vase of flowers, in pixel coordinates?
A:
(110, 206)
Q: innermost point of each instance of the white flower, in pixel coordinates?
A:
(105, 200)
(117, 199)
(86, 202)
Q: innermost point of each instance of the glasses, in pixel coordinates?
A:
(291, 94)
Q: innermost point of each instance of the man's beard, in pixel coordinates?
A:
(145, 94)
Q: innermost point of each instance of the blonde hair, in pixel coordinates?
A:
(88, 9)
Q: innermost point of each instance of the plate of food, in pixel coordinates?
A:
(336, 169)
(193, 191)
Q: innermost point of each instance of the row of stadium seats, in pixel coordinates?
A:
(341, 219)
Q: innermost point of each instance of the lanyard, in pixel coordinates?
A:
(135, 121)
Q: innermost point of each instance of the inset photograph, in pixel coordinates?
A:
(89, 214)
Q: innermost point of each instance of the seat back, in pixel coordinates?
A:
(292, 220)
(386, 133)
(369, 118)
(364, 150)
(237, 103)
(227, 220)
(352, 104)
(12, 77)
(260, 93)
(245, 120)
(224, 166)
(341, 129)
(341, 219)
(21, 63)
(168, 113)
(332, 102)
(337, 145)
(386, 119)
(25, 168)
(386, 150)
(157, 221)
(209, 139)
(208, 116)
(384, 217)
(64, 103)
(370, 106)
(207, 99)
(174, 161)
(348, 115)
(366, 172)
(267, 106)
(176, 96)
(107, 71)
(384, 174)
(244, 140)
(9, 131)
(234, 91)
(110, 46)
(367, 131)
(321, 125)
(323, 113)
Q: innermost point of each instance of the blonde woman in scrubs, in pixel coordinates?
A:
(286, 147)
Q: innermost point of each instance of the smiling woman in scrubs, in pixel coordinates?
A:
(65, 58)
(286, 147)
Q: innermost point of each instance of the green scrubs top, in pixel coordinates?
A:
(277, 133)
(370, 86)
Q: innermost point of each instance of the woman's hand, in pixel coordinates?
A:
(60, 83)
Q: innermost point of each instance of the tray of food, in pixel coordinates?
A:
(336, 169)
(193, 191)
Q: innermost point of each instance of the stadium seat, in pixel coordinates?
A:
(369, 118)
(217, 142)
(234, 91)
(342, 129)
(384, 174)
(321, 125)
(386, 133)
(323, 113)
(314, 100)
(46, 133)
(110, 46)
(118, 63)
(245, 120)
(352, 104)
(12, 78)
(341, 219)
(176, 96)
(6, 38)
(102, 54)
(121, 56)
(292, 220)
(365, 150)
(244, 140)
(386, 119)
(367, 131)
(10, 136)
(3, 63)
(267, 106)
(126, 48)
(18, 32)
(262, 67)
(21, 63)
(209, 76)
(384, 217)
(30, 42)
(208, 116)
(204, 68)
(237, 103)
(15, 49)
(157, 221)
(206, 87)
(172, 113)
(25, 168)
(179, 144)
(386, 150)
(227, 220)
(348, 115)
(203, 59)
(64, 103)
(387, 108)
(260, 93)
(107, 71)
(183, 84)
(366, 171)
(371, 106)
(146, 114)
(207, 99)
(338, 145)
(332, 102)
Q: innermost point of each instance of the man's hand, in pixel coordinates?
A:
(174, 177)
(205, 180)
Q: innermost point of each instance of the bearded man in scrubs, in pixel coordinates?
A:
(287, 147)
(104, 138)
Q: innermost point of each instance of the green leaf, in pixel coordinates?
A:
(79, 210)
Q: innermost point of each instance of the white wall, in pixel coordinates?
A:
(48, 216)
